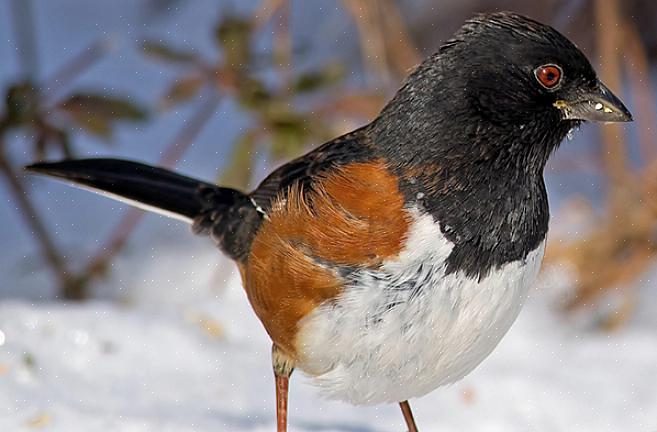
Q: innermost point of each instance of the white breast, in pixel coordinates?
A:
(401, 331)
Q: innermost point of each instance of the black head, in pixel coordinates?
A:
(516, 69)
(470, 132)
(504, 85)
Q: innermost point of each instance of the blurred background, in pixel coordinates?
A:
(112, 319)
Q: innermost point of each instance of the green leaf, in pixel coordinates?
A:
(95, 125)
(316, 80)
(183, 90)
(233, 35)
(289, 134)
(28, 360)
(22, 101)
(163, 52)
(95, 113)
(105, 107)
(240, 169)
(253, 94)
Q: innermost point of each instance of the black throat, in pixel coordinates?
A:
(479, 175)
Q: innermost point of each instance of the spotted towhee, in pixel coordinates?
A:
(392, 260)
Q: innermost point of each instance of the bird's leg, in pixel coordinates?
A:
(283, 367)
(408, 416)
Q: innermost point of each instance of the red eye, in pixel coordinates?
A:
(548, 75)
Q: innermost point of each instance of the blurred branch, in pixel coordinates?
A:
(75, 67)
(366, 15)
(238, 173)
(163, 52)
(621, 243)
(358, 104)
(190, 130)
(384, 39)
(33, 220)
(278, 125)
(402, 51)
(610, 39)
(266, 10)
(48, 124)
(283, 43)
(117, 240)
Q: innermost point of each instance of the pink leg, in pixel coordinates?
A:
(408, 416)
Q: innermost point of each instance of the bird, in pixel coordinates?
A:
(391, 260)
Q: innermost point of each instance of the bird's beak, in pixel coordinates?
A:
(598, 105)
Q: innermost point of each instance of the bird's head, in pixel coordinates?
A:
(505, 89)
(514, 68)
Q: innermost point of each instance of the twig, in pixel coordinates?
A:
(74, 67)
(283, 44)
(190, 130)
(266, 10)
(366, 15)
(402, 52)
(615, 155)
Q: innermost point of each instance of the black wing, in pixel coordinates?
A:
(352, 147)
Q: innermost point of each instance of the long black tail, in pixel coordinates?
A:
(226, 214)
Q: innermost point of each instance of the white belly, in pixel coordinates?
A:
(408, 328)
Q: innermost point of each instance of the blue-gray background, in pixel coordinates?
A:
(63, 28)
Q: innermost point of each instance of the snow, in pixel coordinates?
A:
(179, 356)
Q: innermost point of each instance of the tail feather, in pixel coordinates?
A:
(211, 209)
(141, 185)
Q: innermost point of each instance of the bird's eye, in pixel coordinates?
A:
(549, 75)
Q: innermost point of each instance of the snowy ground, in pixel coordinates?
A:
(179, 356)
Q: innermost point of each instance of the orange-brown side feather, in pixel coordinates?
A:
(352, 217)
